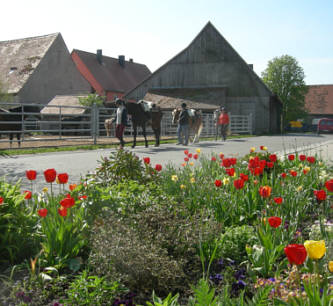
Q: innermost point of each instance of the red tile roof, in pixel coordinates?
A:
(319, 100)
(111, 75)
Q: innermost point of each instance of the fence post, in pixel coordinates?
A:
(250, 124)
(93, 122)
(60, 125)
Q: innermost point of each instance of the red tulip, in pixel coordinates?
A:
(311, 159)
(226, 162)
(278, 200)
(158, 167)
(63, 178)
(67, 202)
(62, 211)
(233, 161)
(283, 175)
(274, 221)
(329, 185)
(28, 194)
(186, 159)
(213, 158)
(296, 253)
(72, 187)
(189, 155)
(31, 174)
(244, 177)
(186, 152)
(270, 164)
(146, 160)
(195, 156)
(262, 147)
(265, 191)
(302, 157)
(1, 200)
(320, 194)
(50, 175)
(221, 155)
(218, 183)
(81, 198)
(293, 173)
(273, 158)
(291, 157)
(42, 212)
(230, 171)
(239, 184)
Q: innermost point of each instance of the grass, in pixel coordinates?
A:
(65, 148)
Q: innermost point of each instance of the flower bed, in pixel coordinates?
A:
(216, 231)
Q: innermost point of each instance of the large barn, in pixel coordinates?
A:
(210, 73)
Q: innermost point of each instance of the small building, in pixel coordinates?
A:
(210, 72)
(319, 102)
(36, 69)
(108, 76)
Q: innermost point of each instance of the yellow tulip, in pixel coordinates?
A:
(174, 178)
(45, 189)
(198, 150)
(330, 266)
(192, 180)
(226, 181)
(182, 186)
(315, 249)
(252, 149)
(299, 188)
(191, 163)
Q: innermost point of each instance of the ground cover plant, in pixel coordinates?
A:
(215, 231)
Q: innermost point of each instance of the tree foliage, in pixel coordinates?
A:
(92, 99)
(4, 96)
(285, 77)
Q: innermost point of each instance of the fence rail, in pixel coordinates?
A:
(78, 122)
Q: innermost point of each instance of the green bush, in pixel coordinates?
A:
(234, 241)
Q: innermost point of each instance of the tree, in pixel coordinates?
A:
(285, 77)
(92, 99)
(4, 96)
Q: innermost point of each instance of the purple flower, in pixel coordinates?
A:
(20, 294)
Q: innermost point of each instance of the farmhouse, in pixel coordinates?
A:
(108, 76)
(210, 72)
(36, 69)
(319, 101)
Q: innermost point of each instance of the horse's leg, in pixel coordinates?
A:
(199, 132)
(144, 135)
(18, 136)
(157, 132)
(134, 135)
(11, 136)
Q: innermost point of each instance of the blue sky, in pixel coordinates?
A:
(152, 32)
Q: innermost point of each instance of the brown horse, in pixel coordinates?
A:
(195, 123)
(11, 123)
(141, 117)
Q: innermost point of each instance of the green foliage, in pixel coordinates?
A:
(204, 295)
(285, 78)
(92, 99)
(234, 241)
(18, 237)
(168, 301)
(4, 96)
(91, 290)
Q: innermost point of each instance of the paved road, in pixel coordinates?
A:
(79, 163)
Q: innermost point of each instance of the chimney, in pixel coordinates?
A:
(99, 56)
(121, 60)
(250, 66)
(131, 60)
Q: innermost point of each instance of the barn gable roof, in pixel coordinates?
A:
(20, 57)
(110, 74)
(319, 99)
(209, 26)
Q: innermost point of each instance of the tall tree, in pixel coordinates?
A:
(285, 77)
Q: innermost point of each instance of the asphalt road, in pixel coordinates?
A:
(77, 164)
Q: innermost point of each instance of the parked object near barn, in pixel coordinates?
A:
(195, 122)
(325, 125)
(11, 124)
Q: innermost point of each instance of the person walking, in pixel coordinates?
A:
(183, 126)
(121, 121)
(223, 122)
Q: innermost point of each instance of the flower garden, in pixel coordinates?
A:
(214, 231)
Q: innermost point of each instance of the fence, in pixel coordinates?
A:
(59, 122)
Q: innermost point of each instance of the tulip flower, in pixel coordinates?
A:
(265, 191)
(329, 185)
(320, 195)
(296, 253)
(28, 194)
(158, 167)
(62, 178)
(1, 200)
(182, 186)
(62, 211)
(218, 183)
(293, 173)
(198, 150)
(315, 249)
(186, 159)
(274, 221)
(244, 177)
(186, 152)
(230, 171)
(31, 175)
(213, 158)
(270, 165)
(273, 158)
(302, 157)
(291, 157)
(192, 180)
(174, 178)
(252, 149)
(278, 200)
(42, 212)
(311, 159)
(50, 175)
(67, 202)
(72, 187)
(226, 181)
(330, 266)
(146, 160)
(283, 175)
(239, 184)
(195, 156)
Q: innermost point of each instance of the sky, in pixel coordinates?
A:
(152, 32)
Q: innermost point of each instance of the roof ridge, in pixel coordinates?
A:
(28, 38)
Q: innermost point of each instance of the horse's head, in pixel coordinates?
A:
(175, 115)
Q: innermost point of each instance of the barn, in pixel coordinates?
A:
(210, 72)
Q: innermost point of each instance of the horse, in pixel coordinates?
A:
(195, 122)
(11, 123)
(141, 115)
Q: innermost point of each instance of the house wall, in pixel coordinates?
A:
(56, 74)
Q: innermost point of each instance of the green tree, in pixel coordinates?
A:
(4, 96)
(285, 77)
(92, 99)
